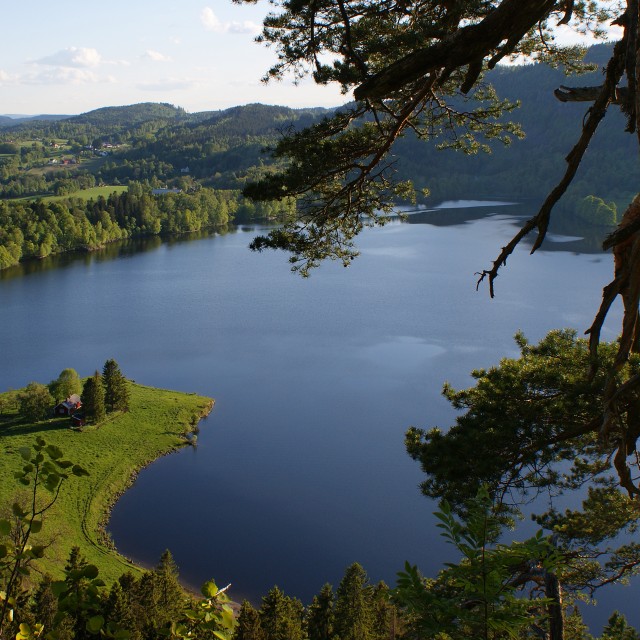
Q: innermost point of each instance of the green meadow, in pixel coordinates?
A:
(157, 423)
(84, 194)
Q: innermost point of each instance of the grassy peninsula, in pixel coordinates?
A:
(113, 452)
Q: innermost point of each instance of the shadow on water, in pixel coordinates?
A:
(565, 233)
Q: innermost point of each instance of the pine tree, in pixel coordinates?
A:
(320, 618)
(116, 391)
(249, 627)
(45, 604)
(619, 629)
(93, 398)
(354, 612)
(118, 610)
(281, 616)
(386, 623)
(170, 596)
(159, 597)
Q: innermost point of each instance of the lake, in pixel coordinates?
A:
(300, 470)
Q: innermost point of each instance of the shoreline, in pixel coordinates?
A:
(114, 453)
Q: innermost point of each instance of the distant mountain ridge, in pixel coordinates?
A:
(14, 120)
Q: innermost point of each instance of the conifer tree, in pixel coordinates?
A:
(386, 622)
(354, 614)
(170, 596)
(249, 627)
(93, 398)
(116, 391)
(159, 597)
(45, 604)
(281, 616)
(619, 629)
(118, 611)
(320, 618)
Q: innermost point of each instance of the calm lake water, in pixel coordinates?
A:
(300, 470)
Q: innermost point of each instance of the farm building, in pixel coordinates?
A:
(69, 406)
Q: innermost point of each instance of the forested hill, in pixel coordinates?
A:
(159, 144)
(529, 168)
(164, 146)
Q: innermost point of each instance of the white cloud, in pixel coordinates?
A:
(211, 22)
(60, 75)
(156, 56)
(78, 57)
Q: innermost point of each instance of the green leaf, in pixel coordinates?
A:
(209, 589)
(95, 624)
(227, 619)
(25, 452)
(90, 572)
(36, 526)
(4, 552)
(59, 588)
(5, 527)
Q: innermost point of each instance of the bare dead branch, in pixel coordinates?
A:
(595, 114)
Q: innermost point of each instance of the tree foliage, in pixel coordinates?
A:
(116, 391)
(249, 626)
(45, 470)
(65, 385)
(354, 617)
(413, 67)
(478, 596)
(35, 402)
(531, 425)
(281, 616)
(321, 616)
(93, 398)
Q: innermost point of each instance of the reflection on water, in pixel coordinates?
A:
(111, 251)
(402, 352)
(565, 234)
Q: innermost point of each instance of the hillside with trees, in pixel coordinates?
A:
(160, 145)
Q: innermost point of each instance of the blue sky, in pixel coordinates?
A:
(72, 56)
